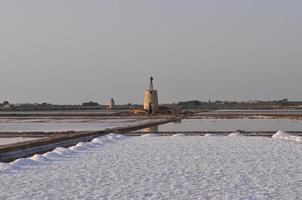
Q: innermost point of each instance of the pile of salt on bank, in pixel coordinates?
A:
(59, 154)
(40, 158)
(281, 135)
(178, 135)
(235, 134)
(149, 135)
(211, 135)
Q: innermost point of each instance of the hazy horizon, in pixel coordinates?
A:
(69, 52)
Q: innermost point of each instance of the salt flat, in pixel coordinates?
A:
(114, 167)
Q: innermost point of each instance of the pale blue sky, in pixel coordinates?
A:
(70, 51)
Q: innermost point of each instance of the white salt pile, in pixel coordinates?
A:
(178, 135)
(211, 135)
(113, 137)
(60, 153)
(121, 137)
(23, 162)
(64, 151)
(57, 154)
(106, 140)
(17, 165)
(79, 147)
(97, 140)
(235, 134)
(40, 158)
(281, 135)
(53, 156)
(149, 135)
(103, 140)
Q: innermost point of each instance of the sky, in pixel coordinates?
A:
(72, 51)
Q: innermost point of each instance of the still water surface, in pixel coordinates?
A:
(55, 125)
(49, 125)
(233, 125)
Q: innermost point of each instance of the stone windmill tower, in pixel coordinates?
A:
(151, 99)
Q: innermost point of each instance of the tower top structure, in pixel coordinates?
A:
(151, 83)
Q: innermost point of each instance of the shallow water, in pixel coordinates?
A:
(53, 125)
(233, 124)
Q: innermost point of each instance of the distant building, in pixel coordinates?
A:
(111, 104)
(151, 99)
(90, 104)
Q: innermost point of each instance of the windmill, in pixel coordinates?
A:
(151, 99)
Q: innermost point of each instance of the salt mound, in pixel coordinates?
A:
(121, 137)
(86, 145)
(96, 143)
(111, 135)
(106, 140)
(281, 135)
(82, 146)
(211, 135)
(97, 140)
(64, 151)
(178, 135)
(113, 138)
(92, 145)
(149, 135)
(296, 138)
(52, 155)
(23, 162)
(39, 158)
(74, 148)
(235, 134)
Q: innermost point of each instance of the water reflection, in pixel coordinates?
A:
(152, 129)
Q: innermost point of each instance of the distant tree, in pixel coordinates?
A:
(5, 103)
(193, 103)
(284, 101)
